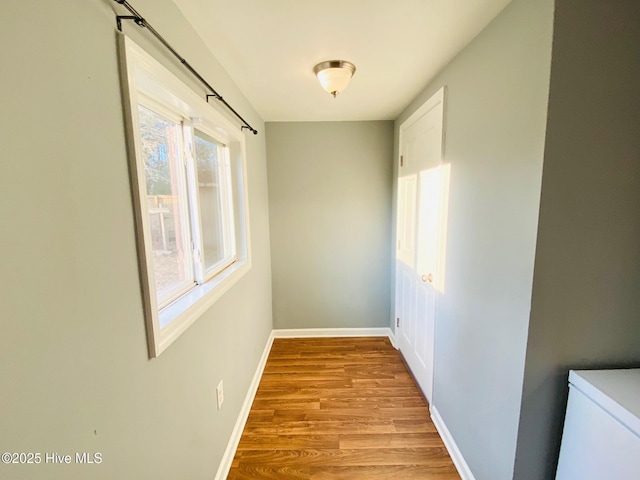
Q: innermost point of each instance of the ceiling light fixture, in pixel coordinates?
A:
(334, 75)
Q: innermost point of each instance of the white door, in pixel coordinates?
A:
(421, 215)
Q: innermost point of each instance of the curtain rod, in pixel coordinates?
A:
(140, 21)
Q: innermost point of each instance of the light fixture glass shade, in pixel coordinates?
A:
(334, 75)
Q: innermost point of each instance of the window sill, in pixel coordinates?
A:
(176, 317)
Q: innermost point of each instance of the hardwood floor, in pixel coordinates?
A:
(339, 408)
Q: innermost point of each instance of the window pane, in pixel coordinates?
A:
(211, 199)
(166, 199)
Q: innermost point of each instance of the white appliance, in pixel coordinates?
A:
(601, 438)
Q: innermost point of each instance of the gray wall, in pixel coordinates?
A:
(73, 357)
(330, 210)
(585, 307)
(495, 117)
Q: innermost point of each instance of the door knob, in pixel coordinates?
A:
(427, 278)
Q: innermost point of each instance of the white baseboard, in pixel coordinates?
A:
(450, 444)
(332, 332)
(236, 434)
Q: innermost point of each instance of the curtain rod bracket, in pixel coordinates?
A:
(252, 130)
(119, 18)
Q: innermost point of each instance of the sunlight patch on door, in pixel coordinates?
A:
(432, 212)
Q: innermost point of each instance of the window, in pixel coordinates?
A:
(187, 170)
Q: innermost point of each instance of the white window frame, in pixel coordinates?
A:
(202, 273)
(146, 82)
(185, 211)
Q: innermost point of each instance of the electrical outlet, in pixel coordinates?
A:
(220, 394)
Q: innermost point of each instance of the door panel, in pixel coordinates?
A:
(406, 312)
(407, 190)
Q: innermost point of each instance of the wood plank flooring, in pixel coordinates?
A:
(339, 408)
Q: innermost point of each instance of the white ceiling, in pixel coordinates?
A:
(269, 48)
